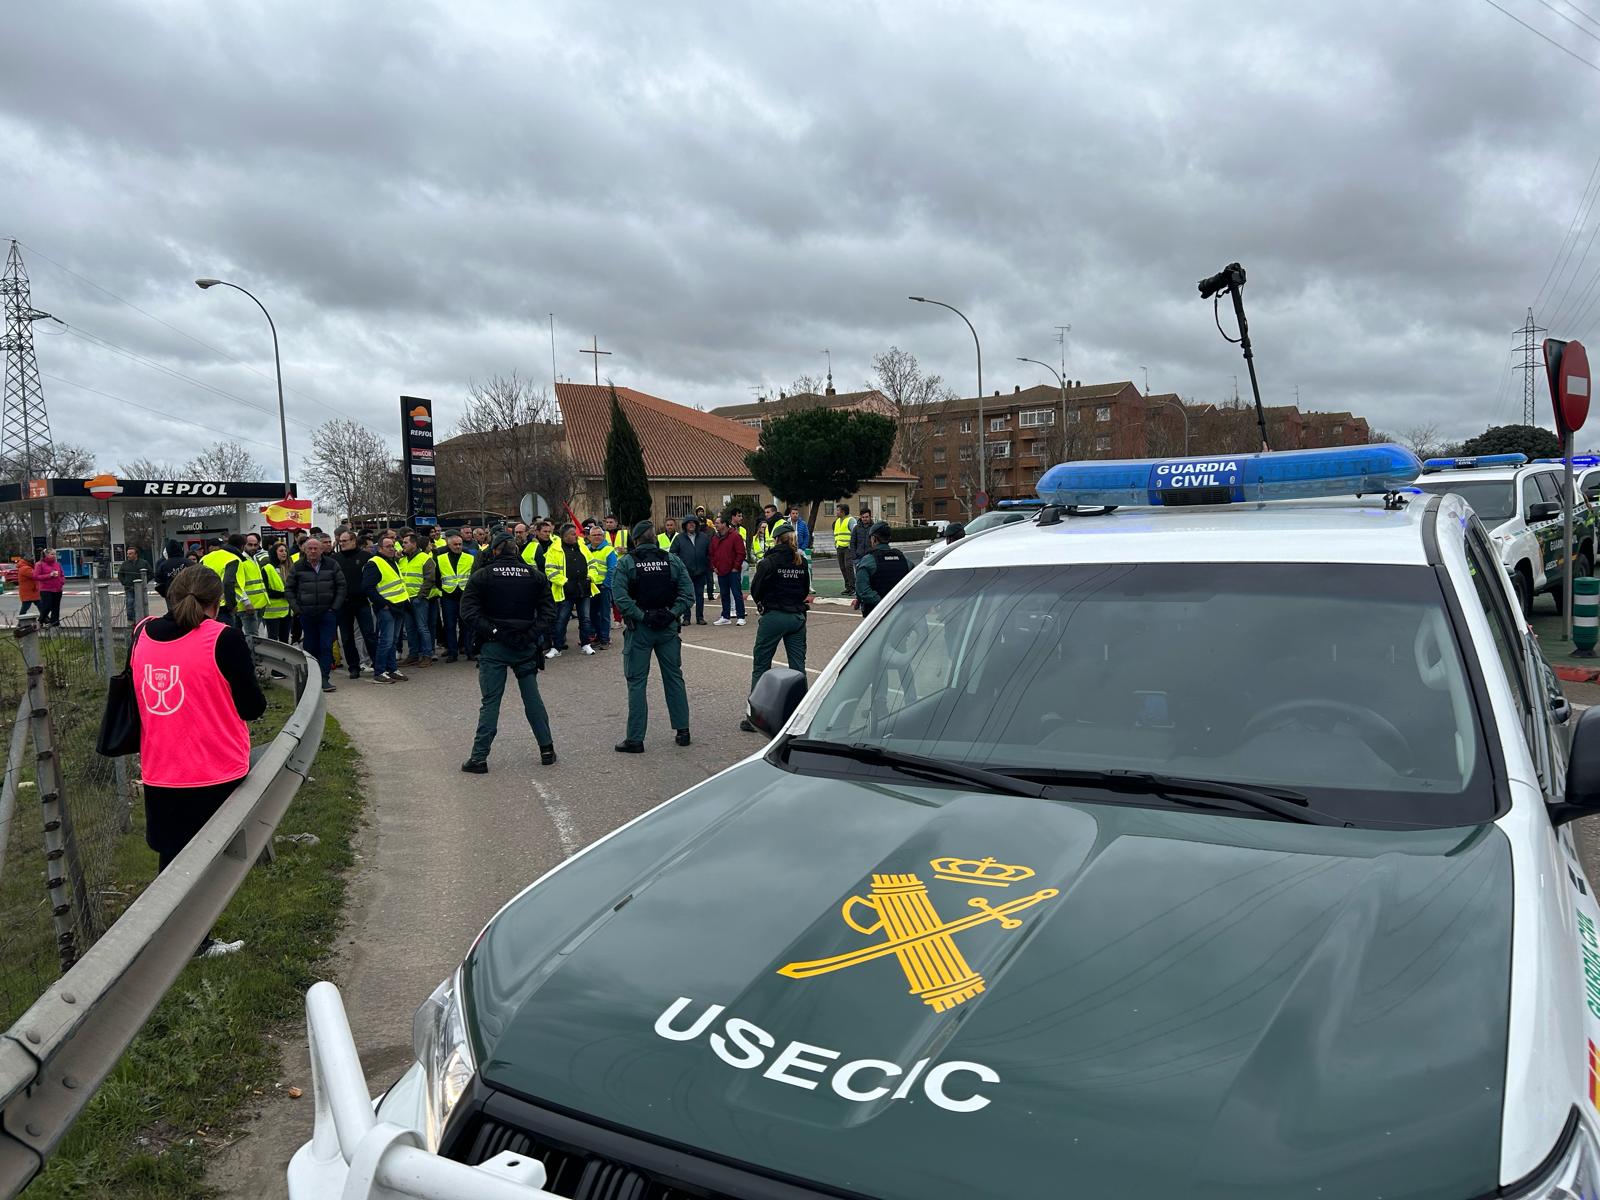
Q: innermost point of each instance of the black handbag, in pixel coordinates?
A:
(119, 724)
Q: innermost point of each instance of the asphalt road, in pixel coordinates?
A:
(442, 851)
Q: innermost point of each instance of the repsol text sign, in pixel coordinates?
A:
(184, 487)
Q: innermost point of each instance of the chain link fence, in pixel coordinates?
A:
(72, 855)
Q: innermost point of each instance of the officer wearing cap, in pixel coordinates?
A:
(781, 592)
(880, 570)
(654, 595)
(508, 606)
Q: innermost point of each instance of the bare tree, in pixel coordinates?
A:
(513, 440)
(1423, 440)
(347, 466)
(224, 461)
(915, 397)
(146, 468)
(806, 385)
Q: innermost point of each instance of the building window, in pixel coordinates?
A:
(998, 424)
(753, 422)
(940, 482)
(938, 430)
(1338, 431)
(1036, 416)
(1102, 443)
(917, 507)
(1002, 478)
(1000, 449)
(1103, 413)
(891, 508)
(965, 454)
(938, 454)
(966, 426)
(1035, 448)
(940, 507)
(1074, 415)
(680, 506)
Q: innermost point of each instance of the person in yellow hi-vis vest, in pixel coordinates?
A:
(276, 612)
(843, 523)
(420, 573)
(617, 537)
(546, 554)
(602, 556)
(455, 568)
(384, 586)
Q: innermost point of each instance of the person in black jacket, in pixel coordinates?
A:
(316, 591)
(357, 611)
(170, 565)
(510, 609)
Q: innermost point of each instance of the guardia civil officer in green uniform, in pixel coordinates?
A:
(780, 591)
(508, 606)
(880, 570)
(654, 594)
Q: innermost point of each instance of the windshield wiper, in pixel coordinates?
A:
(1292, 806)
(916, 764)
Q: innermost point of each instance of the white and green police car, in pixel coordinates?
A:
(1520, 504)
(1182, 841)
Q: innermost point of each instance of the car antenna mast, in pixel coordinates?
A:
(1231, 280)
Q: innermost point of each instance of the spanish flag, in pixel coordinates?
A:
(288, 514)
(1594, 1075)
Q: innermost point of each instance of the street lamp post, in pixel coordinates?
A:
(1063, 384)
(277, 363)
(1184, 413)
(983, 457)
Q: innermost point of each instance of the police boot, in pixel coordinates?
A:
(627, 746)
(683, 737)
(547, 756)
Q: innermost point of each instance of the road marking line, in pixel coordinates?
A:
(735, 654)
(566, 829)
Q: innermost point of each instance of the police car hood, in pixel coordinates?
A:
(912, 991)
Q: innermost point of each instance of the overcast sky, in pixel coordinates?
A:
(720, 191)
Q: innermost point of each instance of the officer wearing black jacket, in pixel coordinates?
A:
(880, 570)
(781, 591)
(510, 608)
(654, 596)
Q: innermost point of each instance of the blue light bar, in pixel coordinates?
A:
(1578, 460)
(1033, 503)
(1470, 462)
(1231, 478)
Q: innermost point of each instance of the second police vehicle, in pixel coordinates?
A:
(1520, 504)
(1206, 836)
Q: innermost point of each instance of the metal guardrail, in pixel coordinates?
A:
(60, 1051)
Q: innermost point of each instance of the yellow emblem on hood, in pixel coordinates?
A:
(918, 937)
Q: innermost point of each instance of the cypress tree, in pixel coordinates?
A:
(626, 481)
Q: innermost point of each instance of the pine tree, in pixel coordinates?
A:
(626, 481)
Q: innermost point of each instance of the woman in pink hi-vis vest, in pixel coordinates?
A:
(197, 690)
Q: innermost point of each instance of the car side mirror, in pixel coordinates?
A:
(1543, 510)
(777, 694)
(1583, 771)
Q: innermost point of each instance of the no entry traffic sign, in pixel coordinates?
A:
(1567, 364)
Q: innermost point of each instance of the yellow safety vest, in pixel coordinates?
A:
(277, 601)
(219, 560)
(391, 585)
(758, 545)
(251, 585)
(555, 565)
(841, 533)
(454, 577)
(440, 543)
(619, 540)
(411, 570)
(599, 562)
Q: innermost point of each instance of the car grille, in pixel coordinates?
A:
(584, 1160)
(574, 1173)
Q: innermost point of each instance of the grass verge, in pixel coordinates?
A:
(184, 1083)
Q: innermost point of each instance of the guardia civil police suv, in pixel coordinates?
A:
(1520, 503)
(1206, 836)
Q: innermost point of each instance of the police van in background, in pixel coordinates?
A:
(1520, 504)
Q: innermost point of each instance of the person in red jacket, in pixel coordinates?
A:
(727, 560)
(27, 586)
(50, 578)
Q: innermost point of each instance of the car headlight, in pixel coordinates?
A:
(439, 1037)
(1575, 1176)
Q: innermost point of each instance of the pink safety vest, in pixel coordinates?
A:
(191, 735)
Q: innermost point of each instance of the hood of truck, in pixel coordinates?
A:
(911, 991)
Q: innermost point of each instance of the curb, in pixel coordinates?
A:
(1572, 674)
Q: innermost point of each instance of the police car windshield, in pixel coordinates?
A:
(1344, 684)
(1494, 500)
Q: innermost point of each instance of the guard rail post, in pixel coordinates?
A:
(1585, 616)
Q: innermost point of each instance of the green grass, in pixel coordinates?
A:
(183, 1085)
